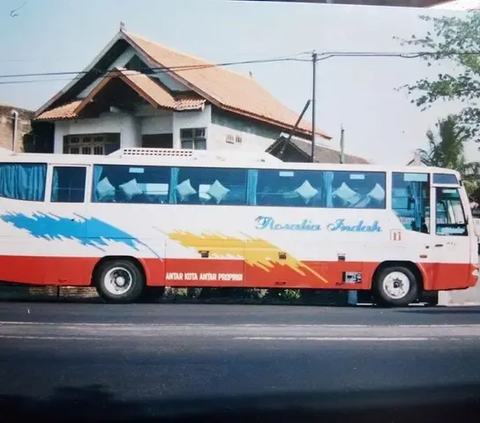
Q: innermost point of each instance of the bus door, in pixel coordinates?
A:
(450, 246)
(67, 198)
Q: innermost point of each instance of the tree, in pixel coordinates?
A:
(456, 40)
(447, 149)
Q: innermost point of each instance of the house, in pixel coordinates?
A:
(299, 150)
(15, 123)
(139, 93)
(19, 133)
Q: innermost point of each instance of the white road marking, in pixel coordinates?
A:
(266, 332)
(326, 338)
(243, 338)
(234, 325)
(51, 338)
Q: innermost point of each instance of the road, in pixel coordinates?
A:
(121, 354)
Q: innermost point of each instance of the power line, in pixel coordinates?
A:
(157, 69)
(163, 69)
(29, 81)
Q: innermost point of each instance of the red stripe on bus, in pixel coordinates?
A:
(77, 271)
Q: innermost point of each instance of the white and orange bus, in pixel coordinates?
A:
(138, 220)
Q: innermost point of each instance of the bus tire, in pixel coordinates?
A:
(431, 299)
(395, 286)
(119, 281)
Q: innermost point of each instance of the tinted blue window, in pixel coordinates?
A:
(307, 188)
(68, 184)
(450, 217)
(209, 186)
(21, 181)
(131, 184)
(411, 200)
(361, 190)
(287, 188)
(444, 178)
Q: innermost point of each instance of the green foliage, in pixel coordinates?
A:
(447, 149)
(283, 294)
(456, 40)
(232, 293)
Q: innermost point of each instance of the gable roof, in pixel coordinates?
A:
(154, 93)
(218, 85)
(322, 154)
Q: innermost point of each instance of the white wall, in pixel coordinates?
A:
(151, 121)
(131, 128)
(128, 127)
(154, 121)
(184, 120)
(157, 125)
(217, 139)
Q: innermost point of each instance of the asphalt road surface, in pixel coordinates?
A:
(119, 354)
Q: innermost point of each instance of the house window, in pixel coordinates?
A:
(96, 144)
(157, 141)
(193, 138)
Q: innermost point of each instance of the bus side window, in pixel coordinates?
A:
(450, 216)
(131, 184)
(23, 181)
(68, 184)
(359, 190)
(209, 186)
(288, 188)
(411, 200)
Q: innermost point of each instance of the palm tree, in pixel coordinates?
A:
(447, 149)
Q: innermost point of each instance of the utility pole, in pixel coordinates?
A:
(314, 63)
(287, 141)
(342, 144)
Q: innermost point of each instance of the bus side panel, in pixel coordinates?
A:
(308, 274)
(448, 276)
(204, 260)
(38, 270)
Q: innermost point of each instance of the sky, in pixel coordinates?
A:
(359, 93)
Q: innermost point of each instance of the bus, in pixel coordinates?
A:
(140, 219)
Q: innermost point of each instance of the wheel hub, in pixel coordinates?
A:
(120, 281)
(396, 285)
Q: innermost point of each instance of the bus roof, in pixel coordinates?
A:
(202, 158)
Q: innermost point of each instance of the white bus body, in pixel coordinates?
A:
(153, 218)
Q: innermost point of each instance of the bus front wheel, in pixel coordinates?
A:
(395, 286)
(119, 281)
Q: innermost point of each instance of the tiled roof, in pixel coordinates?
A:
(147, 87)
(66, 111)
(151, 91)
(322, 154)
(230, 90)
(326, 155)
(221, 87)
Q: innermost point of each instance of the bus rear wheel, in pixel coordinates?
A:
(395, 286)
(119, 281)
